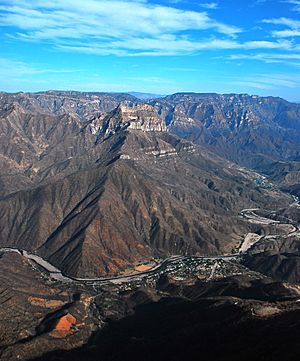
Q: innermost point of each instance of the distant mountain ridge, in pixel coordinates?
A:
(95, 182)
(145, 96)
(109, 185)
(256, 132)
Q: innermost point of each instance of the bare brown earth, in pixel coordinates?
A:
(165, 317)
(35, 314)
(95, 191)
(65, 326)
(142, 268)
(259, 132)
(97, 183)
(227, 319)
(43, 302)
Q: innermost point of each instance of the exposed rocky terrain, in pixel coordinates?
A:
(216, 328)
(277, 257)
(94, 190)
(36, 315)
(257, 132)
(192, 248)
(226, 316)
(246, 129)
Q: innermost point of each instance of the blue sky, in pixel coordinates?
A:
(240, 46)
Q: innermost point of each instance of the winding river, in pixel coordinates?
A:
(249, 240)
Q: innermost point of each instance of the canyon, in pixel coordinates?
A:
(116, 210)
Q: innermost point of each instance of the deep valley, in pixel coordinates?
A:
(161, 227)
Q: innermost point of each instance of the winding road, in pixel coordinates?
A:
(252, 217)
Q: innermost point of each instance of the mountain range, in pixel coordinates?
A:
(95, 182)
(140, 226)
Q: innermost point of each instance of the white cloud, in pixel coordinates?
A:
(296, 3)
(252, 84)
(111, 27)
(285, 33)
(269, 81)
(210, 6)
(18, 68)
(292, 59)
(128, 28)
(292, 27)
(170, 45)
(291, 23)
(292, 30)
(263, 44)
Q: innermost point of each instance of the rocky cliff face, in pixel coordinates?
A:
(162, 199)
(250, 130)
(94, 191)
(132, 116)
(56, 102)
(230, 111)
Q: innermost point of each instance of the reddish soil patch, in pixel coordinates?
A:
(42, 302)
(142, 268)
(65, 326)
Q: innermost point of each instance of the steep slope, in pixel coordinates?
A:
(61, 102)
(277, 257)
(253, 131)
(231, 319)
(45, 320)
(49, 134)
(139, 193)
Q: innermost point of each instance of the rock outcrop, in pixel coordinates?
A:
(251, 130)
(132, 116)
(94, 192)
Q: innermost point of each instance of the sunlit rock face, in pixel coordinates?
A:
(133, 116)
(247, 129)
(105, 185)
(143, 117)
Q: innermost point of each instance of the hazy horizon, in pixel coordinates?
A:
(135, 93)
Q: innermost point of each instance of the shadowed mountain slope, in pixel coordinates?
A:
(94, 185)
(251, 130)
(93, 197)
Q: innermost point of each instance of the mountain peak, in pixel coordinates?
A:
(142, 117)
(133, 116)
